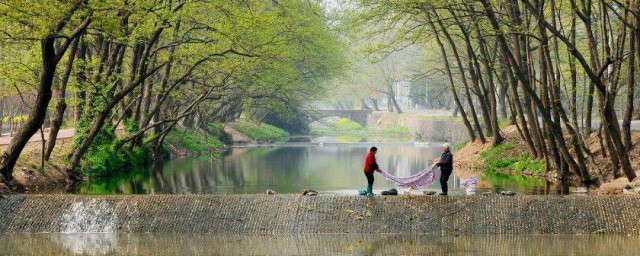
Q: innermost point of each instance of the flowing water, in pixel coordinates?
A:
(307, 244)
(327, 166)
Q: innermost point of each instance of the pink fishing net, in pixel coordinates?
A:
(422, 179)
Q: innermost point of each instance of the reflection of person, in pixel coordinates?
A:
(446, 167)
(370, 165)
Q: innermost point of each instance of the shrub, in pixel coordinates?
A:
(104, 160)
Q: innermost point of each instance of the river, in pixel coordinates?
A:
(314, 244)
(325, 165)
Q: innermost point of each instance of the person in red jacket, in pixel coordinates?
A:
(370, 165)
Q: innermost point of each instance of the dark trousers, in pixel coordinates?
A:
(369, 177)
(444, 177)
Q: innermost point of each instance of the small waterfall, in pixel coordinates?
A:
(93, 216)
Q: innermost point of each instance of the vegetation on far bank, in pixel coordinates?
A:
(346, 127)
(260, 132)
(195, 141)
(502, 159)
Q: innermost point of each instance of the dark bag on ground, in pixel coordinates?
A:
(390, 192)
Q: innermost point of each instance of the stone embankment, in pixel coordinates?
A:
(284, 214)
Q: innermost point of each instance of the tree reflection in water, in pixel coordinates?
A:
(335, 168)
(314, 244)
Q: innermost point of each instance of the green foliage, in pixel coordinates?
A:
(194, 141)
(217, 131)
(503, 123)
(500, 181)
(497, 159)
(344, 124)
(103, 160)
(525, 162)
(271, 56)
(261, 132)
(131, 126)
(15, 119)
(350, 131)
(494, 157)
(398, 131)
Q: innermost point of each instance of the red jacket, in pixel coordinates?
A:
(370, 164)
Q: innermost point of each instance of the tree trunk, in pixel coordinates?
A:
(61, 105)
(375, 104)
(456, 56)
(631, 82)
(37, 114)
(445, 59)
(97, 124)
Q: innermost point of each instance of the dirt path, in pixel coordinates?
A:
(63, 134)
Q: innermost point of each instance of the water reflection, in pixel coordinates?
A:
(314, 244)
(328, 168)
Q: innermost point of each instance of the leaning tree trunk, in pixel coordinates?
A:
(375, 104)
(61, 106)
(456, 99)
(37, 114)
(456, 56)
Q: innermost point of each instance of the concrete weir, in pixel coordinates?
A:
(282, 214)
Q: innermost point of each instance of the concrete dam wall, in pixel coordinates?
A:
(285, 214)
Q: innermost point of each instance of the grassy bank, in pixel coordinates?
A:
(503, 158)
(510, 157)
(103, 160)
(189, 141)
(260, 132)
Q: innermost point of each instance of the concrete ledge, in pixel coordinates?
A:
(281, 214)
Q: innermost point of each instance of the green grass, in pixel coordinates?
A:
(217, 130)
(398, 131)
(503, 123)
(262, 132)
(460, 145)
(344, 124)
(194, 141)
(501, 181)
(496, 159)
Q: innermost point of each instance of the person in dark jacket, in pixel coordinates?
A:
(370, 165)
(446, 167)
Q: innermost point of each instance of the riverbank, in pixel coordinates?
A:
(388, 126)
(29, 176)
(512, 158)
(286, 214)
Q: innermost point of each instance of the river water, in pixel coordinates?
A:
(329, 167)
(326, 166)
(314, 244)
